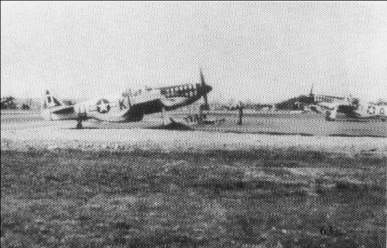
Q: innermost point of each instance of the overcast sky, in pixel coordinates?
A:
(263, 51)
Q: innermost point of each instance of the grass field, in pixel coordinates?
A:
(260, 198)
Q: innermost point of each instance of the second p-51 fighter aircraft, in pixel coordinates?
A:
(128, 106)
(352, 108)
(358, 110)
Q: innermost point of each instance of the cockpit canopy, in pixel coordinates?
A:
(136, 92)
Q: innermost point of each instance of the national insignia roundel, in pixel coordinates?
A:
(371, 110)
(103, 106)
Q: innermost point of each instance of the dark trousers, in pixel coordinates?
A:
(240, 116)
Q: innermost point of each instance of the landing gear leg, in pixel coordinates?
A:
(79, 124)
(200, 115)
(163, 115)
(331, 115)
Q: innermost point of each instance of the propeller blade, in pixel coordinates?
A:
(311, 91)
(205, 90)
(203, 82)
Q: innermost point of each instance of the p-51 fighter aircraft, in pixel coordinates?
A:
(127, 107)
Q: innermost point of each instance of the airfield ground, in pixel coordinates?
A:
(308, 124)
(133, 187)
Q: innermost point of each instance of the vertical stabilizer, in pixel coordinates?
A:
(311, 91)
(49, 101)
(54, 109)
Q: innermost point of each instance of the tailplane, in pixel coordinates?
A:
(54, 109)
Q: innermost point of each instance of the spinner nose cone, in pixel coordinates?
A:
(208, 88)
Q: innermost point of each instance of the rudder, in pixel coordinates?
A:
(49, 101)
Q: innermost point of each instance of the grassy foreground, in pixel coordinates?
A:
(263, 198)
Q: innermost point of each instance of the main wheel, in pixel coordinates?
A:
(328, 116)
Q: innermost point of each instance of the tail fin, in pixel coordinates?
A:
(54, 109)
(49, 101)
(311, 91)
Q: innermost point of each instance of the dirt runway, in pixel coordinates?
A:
(22, 131)
(257, 123)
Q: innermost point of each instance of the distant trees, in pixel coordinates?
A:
(8, 102)
(25, 106)
(294, 103)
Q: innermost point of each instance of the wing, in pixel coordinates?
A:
(147, 107)
(62, 110)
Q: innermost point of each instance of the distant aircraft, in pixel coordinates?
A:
(358, 110)
(129, 106)
(349, 106)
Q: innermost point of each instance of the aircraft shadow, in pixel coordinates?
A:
(172, 126)
(81, 128)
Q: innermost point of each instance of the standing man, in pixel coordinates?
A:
(240, 112)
